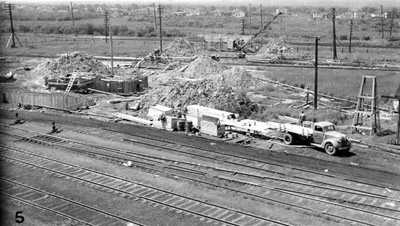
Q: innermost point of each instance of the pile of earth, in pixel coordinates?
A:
(204, 67)
(277, 49)
(205, 92)
(66, 64)
(182, 47)
(238, 77)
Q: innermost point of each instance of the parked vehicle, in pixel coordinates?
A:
(321, 135)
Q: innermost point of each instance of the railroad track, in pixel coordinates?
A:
(307, 197)
(226, 157)
(201, 209)
(59, 205)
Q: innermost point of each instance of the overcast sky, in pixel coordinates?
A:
(352, 3)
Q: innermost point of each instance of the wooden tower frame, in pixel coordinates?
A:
(364, 109)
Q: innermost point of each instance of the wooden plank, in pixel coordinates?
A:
(103, 92)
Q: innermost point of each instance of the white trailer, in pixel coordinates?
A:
(195, 113)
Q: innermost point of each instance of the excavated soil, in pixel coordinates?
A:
(182, 47)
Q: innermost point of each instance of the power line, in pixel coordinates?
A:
(316, 74)
(72, 14)
(391, 23)
(155, 15)
(10, 8)
(382, 21)
(106, 23)
(351, 34)
(159, 12)
(334, 34)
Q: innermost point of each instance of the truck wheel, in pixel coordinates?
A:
(330, 149)
(288, 139)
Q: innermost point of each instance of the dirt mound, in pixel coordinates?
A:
(66, 64)
(204, 67)
(182, 47)
(239, 77)
(277, 49)
(206, 93)
(70, 62)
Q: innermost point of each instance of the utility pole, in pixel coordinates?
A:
(12, 26)
(242, 27)
(261, 12)
(351, 34)
(382, 21)
(155, 15)
(159, 12)
(334, 34)
(72, 14)
(112, 53)
(106, 23)
(13, 36)
(250, 17)
(391, 23)
(316, 74)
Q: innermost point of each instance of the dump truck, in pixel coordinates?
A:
(321, 134)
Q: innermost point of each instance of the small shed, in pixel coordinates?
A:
(212, 126)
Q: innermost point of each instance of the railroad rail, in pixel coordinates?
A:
(307, 194)
(230, 158)
(59, 205)
(198, 208)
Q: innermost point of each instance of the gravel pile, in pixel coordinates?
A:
(204, 67)
(276, 49)
(182, 47)
(238, 77)
(68, 63)
(206, 93)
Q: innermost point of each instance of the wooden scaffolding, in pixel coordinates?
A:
(367, 106)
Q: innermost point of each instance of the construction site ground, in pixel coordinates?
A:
(370, 165)
(86, 126)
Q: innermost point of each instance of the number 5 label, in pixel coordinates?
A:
(18, 217)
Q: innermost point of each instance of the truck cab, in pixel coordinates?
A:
(325, 136)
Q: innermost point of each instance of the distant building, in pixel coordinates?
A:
(179, 12)
(143, 11)
(217, 12)
(316, 14)
(284, 11)
(238, 13)
(99, 10)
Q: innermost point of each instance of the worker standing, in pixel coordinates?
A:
(53, 127)
(307, 94)
(302, 118)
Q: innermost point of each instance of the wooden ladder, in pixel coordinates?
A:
(71, 82)
(362, 109)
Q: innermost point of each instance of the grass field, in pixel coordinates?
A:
(340, 83)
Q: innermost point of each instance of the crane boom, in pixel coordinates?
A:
(266, 25)
(264, 28)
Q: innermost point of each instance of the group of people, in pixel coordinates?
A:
(238, 44)
(154, 57)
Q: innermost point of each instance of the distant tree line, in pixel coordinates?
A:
(90, 29)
